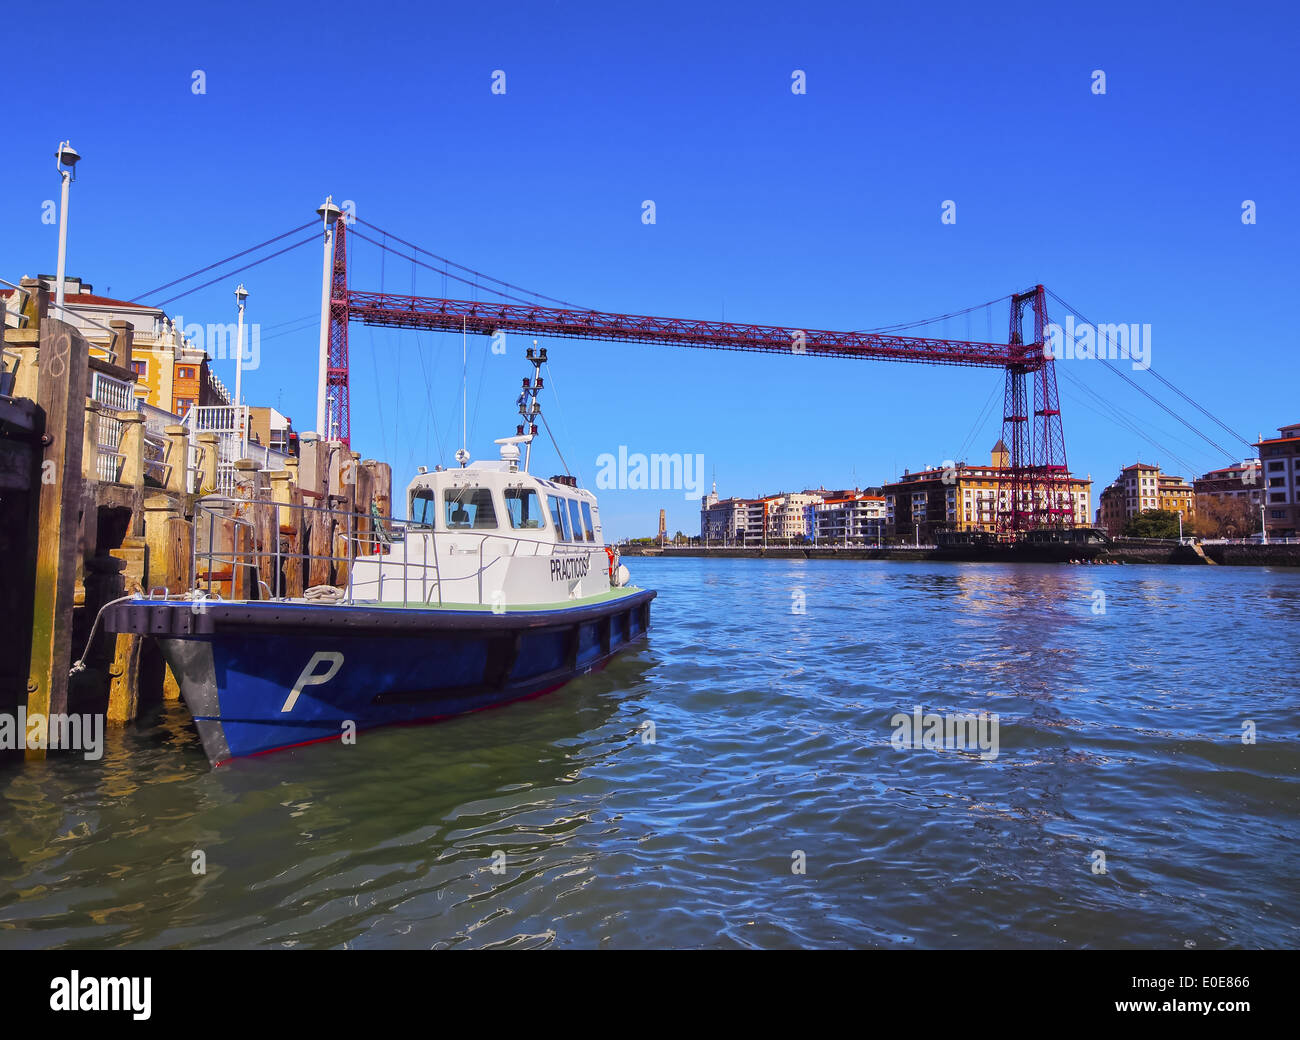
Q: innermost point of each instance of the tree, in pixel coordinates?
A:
(1232, 516)
(1153, 523)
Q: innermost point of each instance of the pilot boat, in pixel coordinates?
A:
(498, 587)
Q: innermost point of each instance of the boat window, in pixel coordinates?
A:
(469, 508)
(576, 516)
(586, 516)
(560, 517)
(423, 510)
(524, 508)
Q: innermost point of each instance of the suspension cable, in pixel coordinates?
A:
(940, 317)
(1142, 390)
(237, 270)
(236, 256)
(469, 270)
(439, 270)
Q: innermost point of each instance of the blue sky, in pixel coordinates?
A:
(819, 210)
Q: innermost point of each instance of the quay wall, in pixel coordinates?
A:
(1126, 551)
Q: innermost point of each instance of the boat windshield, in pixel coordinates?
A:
(423, 510)
(560, 517)
(469, 508)
(524, 508)
(576, 517)
(586, 517)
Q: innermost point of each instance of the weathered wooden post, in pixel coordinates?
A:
(159, 534)
(25, 342)
(123, 341)
(245, 525)
(365, 493)
(64, 361)
(90, 443)
(178, 459)
(131, 448)
(124, 685)
(208, 444)
(295, 569)
(280, 521)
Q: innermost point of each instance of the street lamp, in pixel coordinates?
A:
(66, 163)
(329, 214)
(241, 294)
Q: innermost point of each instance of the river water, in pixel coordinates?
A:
(732, 782)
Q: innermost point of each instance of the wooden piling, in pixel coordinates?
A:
(64, 361)
(124, 684)
(208, 445)
(178, 458)
(131, 448)
(295, 568)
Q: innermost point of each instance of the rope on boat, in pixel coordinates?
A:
(80, 665)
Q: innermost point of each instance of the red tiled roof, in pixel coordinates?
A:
(91, 300)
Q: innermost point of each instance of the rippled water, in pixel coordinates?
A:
(1119, 731)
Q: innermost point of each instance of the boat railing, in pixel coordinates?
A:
(266, 548)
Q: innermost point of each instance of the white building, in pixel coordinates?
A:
(852, 520)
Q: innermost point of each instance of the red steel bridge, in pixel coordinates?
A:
(1031, 414)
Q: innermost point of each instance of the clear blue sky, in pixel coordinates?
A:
(819, 211)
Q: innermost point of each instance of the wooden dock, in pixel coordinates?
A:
(73, 541)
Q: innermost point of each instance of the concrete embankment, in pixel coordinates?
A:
(1130, 550)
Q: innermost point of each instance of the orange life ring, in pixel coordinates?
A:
(610, 553)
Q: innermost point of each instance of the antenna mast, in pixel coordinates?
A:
(529, 409)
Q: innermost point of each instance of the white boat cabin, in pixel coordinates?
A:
(491, 534)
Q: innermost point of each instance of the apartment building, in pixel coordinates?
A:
(965, 497)
(269, 428)
(849, 518)
(1280, 458)
(1140, 487)
(171, 372)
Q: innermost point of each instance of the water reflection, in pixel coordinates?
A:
(771, 734)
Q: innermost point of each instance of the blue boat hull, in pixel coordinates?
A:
(260, 677)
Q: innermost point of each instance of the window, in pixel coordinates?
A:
(469, 508)
(575, 516)
(140, 368)
(184, 373)
(560, 517)
(524, 509)
(423, 510)
(183, 405)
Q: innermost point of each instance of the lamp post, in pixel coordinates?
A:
(66, 163)
(329, 214)
(241, 294)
